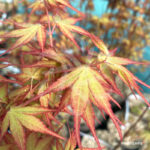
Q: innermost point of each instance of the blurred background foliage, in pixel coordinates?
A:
(124, 25)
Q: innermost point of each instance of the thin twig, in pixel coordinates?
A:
(131, 127)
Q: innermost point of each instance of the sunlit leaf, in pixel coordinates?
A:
(99, 44)
(66, 25)
(115, 64)
(85, 82)
(26, 34)
(19, 117)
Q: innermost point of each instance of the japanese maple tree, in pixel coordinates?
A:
(51, 79)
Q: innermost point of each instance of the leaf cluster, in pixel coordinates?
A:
(53, 79)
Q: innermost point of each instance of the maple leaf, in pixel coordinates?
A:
(109, 77)
(89, 118)
(26, 34)
(42, 142)
(44, 101)
(29, 74)
(57, 56)
(36, 143)
(66, 25)
(99, 44)
(50, 53)
(116, 60)
(38, 5)
(20, 93)
(115, 64)
(17, 117)
(57, 3)
(65, 3)
(43, 63)
(85, 83)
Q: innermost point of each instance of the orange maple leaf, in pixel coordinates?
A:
(115, 65)
(86, 86)
(49, 53)
(66, 25)
(17, 117)
(26, 34)
(56, 3)
(99, 44)
(38, 5)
